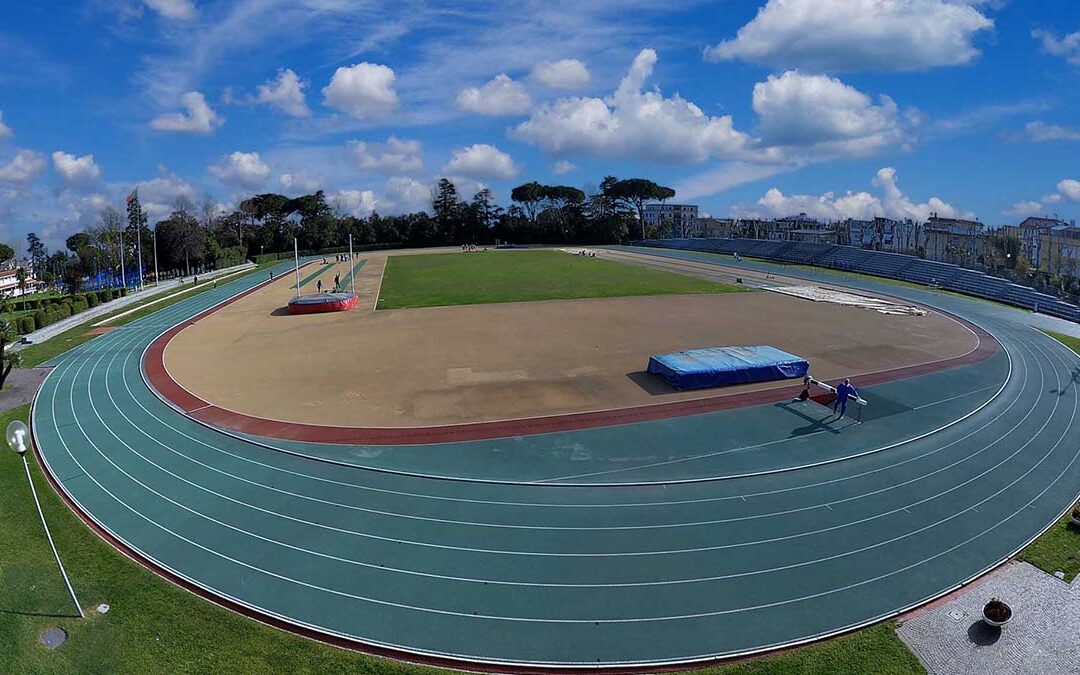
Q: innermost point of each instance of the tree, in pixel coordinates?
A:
(6, 253)
(137, 231)
(530, 196)
(77, 242)
(20, 279)
(8, 358)
(449, 212)
(36, 250)
(483, 215)
(635, 193)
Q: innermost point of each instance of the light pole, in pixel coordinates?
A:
(157, 279)
(17, 435)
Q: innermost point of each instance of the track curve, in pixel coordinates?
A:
(564, 575)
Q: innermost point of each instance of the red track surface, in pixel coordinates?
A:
(204, 411)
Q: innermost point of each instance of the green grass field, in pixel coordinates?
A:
(513, 276)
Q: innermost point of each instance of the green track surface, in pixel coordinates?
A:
(432, 280)
(632, 549)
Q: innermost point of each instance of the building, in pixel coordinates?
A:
(955, 240)
(717, 228)
(1060, 250)
(9, 282)
(1031, 233)
(683, 218)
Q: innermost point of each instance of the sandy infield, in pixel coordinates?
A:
(474, 363)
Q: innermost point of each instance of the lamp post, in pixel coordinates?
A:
(17, 436)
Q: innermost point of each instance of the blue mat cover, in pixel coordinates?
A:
(719, 366)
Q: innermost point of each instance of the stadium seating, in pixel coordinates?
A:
(883, 264)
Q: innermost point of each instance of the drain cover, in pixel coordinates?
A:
(54, 637)
(957, 614)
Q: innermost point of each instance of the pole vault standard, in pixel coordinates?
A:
(352, 267)
(296, 252)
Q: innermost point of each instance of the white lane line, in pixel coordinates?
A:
(530, 553)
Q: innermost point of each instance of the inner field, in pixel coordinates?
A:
(483, 362)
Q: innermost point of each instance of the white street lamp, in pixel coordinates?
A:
(17, 437)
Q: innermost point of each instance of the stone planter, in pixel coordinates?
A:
(996, 613)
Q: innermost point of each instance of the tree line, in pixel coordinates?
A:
(198, 236)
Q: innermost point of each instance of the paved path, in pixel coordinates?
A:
(54, 329)
(1040, 639)
(661, 563)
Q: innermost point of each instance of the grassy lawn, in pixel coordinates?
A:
(155, 627)
(512, 276)
(1058, 550)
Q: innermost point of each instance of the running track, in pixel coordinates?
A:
(651, 543)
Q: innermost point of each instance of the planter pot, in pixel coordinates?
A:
(1076, 518)
(996, 613)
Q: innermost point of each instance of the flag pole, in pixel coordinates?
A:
(123, 274)
(352, 266)
(296, 252)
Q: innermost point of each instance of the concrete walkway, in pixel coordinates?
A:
(1041, 637)
(109, 307)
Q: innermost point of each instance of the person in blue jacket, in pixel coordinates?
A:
(843, 390)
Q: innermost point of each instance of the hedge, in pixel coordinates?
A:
(39, 319)
(26, 325)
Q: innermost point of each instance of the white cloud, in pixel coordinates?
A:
(1069, 189)
(5, 130)
(75, 170)
(358, 203)
(295, 183)
(1041, 132)
(406, 195)
(892, 203)
(286, 93)
(1067, 46)
(198, 119)
(498, 97)
(845, 35)
(1023, 209)
(158, 195)
(731, 174)
(481, 161)
(393, 156)
(364, 91)
(633, 124)
(563, 74)
(24, 167)
(173, 9)
(242, 170)
(562, 167)
(820, 111)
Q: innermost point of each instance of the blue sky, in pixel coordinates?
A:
(834, 107)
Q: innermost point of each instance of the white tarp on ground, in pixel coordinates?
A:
(819, 294)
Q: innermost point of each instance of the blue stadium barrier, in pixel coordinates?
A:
(883, 264)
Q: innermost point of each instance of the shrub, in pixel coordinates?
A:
(103, 297)
(91, 299)
(64, 311)
(78, 306)
(26, 324)
(51, 315)
(123, 292)
(39, 319)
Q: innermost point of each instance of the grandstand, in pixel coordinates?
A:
(879, 263)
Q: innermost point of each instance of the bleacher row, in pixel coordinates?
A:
(882, 264)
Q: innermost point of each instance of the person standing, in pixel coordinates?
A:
(843, 391)
(337, 282)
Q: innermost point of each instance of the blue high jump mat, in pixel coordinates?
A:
(720, 366)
